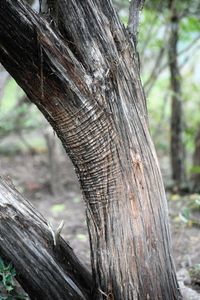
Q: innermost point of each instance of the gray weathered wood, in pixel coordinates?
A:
(45, 270)
(133, 22)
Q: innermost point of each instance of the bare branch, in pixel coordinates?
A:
(153, 73)
(133, 22)
(26, 241)
(47, 61)
(159, 68)
(152, 31)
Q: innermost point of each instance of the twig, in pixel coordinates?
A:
(158, 70)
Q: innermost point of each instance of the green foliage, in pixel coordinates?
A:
(189, 28)
(11, 92)
(186, 213)
(7, 273)
(8, 289)
(14, 115)
(194, 272)
(186, 209)
(17, 117)
(191, 91)
(195, 170)
(154, 26)
(151, 29)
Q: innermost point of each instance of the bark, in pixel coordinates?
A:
(84, 77)
(196, 164)
(176, 143)
(133, 22)
(46, 268)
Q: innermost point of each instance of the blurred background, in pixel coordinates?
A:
(31, 155)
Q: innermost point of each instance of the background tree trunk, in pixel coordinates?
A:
(90, 91)
(196, 164)
(46, 266)
(176, 144)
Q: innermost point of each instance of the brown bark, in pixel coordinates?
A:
(86, 82)
(176, 143)
(46, 268)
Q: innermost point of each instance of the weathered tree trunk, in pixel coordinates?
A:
(176, 144)
(196, 164)
(86, 82)
(46, 266)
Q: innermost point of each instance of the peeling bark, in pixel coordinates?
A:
(83, 75)
(45, 270)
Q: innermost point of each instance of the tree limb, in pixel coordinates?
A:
(133, 22)
(159, 68)
(42, 267)
(45, 54)
(53, 67)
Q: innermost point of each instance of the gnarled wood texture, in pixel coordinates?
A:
(45, 269)
(83, 75)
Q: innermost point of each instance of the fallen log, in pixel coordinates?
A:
(46, 265)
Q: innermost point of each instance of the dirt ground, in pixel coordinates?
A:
(32, 176)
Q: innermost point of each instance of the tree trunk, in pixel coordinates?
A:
(46, 266)
(86, 82)
(196, 164)
(176, 144)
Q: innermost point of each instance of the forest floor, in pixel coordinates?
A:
(32, 176)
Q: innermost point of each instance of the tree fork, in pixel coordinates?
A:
(90, 91)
